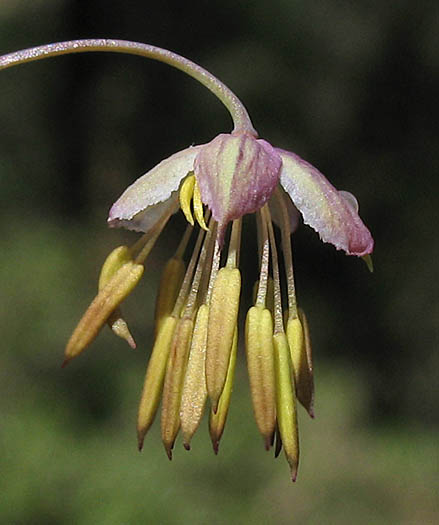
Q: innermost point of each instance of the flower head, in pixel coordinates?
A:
(196, 322)
(194, 353)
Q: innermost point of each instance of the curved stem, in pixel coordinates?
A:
(241, 119)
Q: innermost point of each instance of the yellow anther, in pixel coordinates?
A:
(198, 207)
(186, 194)
(223, 316)
(155, 374)
(286, 402)
(117, 258)
(172, 388)
(306, 386)
(170, 283)
(120, 285)
(217, 420)
(194, 388)
(303, 376)
(260, 361)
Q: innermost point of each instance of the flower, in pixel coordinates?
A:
(194, 353)
(196, 318)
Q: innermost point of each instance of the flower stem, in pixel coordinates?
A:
(240, 117)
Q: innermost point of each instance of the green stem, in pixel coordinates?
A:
(240, 117)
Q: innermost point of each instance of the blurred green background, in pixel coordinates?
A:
(350, 86)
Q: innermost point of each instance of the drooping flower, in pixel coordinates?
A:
(196, 321)
(194, 353)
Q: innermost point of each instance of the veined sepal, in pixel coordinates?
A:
(236, 174)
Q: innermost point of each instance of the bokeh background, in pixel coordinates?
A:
(350, 86)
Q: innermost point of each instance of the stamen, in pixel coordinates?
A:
(265, 259)
(288, 257)
(173, 384)
(208, 265)
(194, 393)
(234, 245)
(154, 378)
(223, 314)
(198, 207)
(213, 269)
(154, 233)
(184, 242)
(191, 301)
(186, 194)
(278, 318)
(217, 419)
(184, 290)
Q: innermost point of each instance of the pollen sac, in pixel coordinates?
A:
(236, 175)
(217, 421)
(300, 348)
(154, 378)
(118, 287)
(117, 258)
(260, 361)
(286, 402)
(170, 283)
(190, 193)
(194, 388)
(172, 388)
(308, 384)
(223, 316)
(186, 194)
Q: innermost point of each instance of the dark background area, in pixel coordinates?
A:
(349, 86)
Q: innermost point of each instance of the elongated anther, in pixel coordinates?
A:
(260, 362)
(115, 260)
(301, 369)
(186, 194)
(286, 402)
(308, 384)
(194, 388)
(198, 208)
(223, 316)
(173, 385)
(155, 374)
(217, 421)
(108, 299)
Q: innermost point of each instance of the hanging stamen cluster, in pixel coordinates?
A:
(196, 334)
(279, 361)
(194, 354)
(120, 274)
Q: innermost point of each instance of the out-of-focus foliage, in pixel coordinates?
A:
(350, 86)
